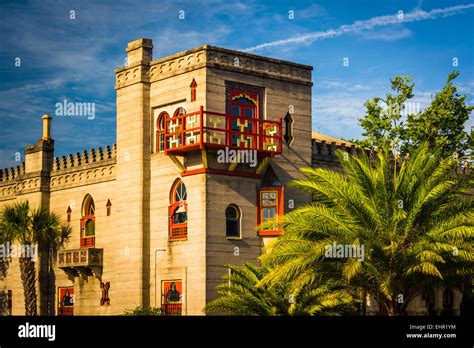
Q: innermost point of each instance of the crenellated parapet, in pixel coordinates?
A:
(95, 165)
(82, 168)
(11, 174)
(323, 151)
(93, 157)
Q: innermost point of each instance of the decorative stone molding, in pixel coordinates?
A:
(211, 56)
(130, 75)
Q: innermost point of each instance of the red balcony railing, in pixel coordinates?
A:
(205, 129)
(179, 231)
(88, 242)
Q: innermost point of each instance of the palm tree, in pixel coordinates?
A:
(52, 234)
(415, 226)
(241, 296)
(18, 224)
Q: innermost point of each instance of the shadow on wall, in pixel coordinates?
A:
(4, 303)
(3, 293)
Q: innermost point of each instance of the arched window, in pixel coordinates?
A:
(232, 218)
(160, 132)
(88, 223)
(178, 212)
(175, 129)
(179, 111)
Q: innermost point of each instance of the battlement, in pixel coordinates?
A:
(10, 174)
(80, 159)
(324, 151)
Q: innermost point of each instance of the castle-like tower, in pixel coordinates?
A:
(206, 141)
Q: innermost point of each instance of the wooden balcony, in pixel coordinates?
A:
(212, 130)
(84, 261)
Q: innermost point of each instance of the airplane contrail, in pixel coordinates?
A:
(414, 16)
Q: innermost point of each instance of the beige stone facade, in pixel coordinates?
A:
(137, 178)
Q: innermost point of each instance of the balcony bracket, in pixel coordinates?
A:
(261, 167)
(71, 273)
(178, 163)
(204, 158)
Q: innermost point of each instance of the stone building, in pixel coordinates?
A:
(207, 139)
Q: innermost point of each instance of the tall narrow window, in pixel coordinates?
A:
(193, 90)
(109, 207)
(178, 212)
(160, 132)
(232, 217)
(69, 211)
(270, 208)
(88, 223)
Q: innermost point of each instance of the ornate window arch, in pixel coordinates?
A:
(160, 131)
(179, 111)
(233, 217)
(88, 222)
(178, 211)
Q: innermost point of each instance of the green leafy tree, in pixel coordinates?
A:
(19, 224)
(415, 225)
(241, 295)
(388, 122)
(442, 123)
(383, 123)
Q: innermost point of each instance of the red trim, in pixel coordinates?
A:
(221, 172)
(193, 90)
(160, 130)
(279, 210)
(89, 241)
(176, 231)
(258, 134)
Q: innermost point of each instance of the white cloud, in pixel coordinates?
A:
(361, 25)
(387, 35)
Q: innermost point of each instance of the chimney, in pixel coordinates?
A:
(139, 51)
(46, 127)
(39, 157)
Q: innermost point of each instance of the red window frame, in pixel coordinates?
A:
(279, 209)
(62, 309)
(87, 241)
(174, 307)
(235, 95)
(177, 231)
(160, 131)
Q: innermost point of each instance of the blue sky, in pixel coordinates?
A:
(74, 59)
